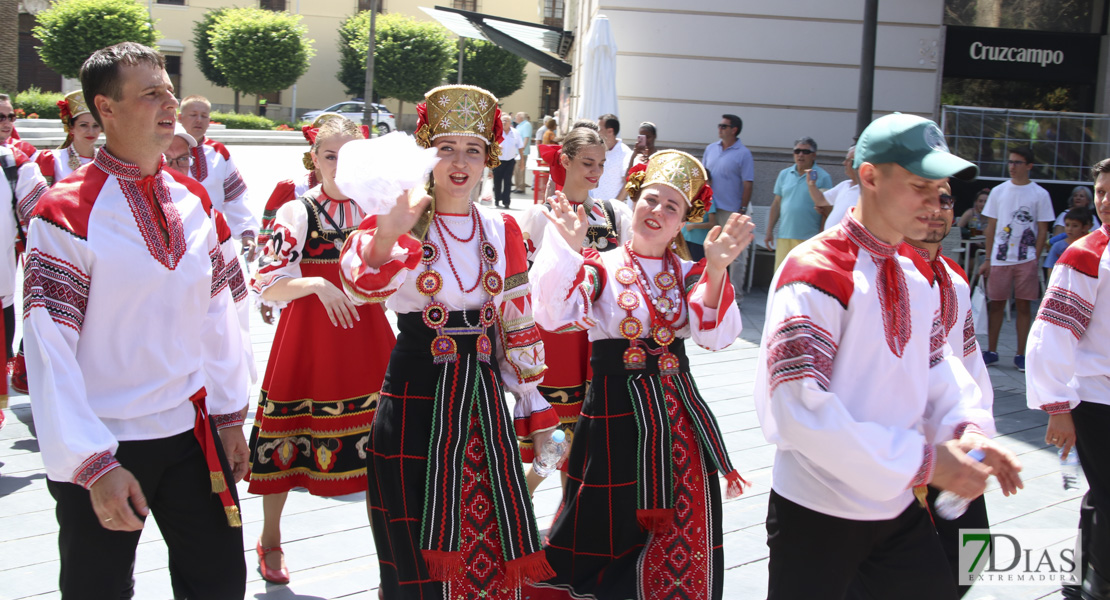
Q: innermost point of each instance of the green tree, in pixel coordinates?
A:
(410, 56)
(260, 51)
(490, 67)
(202, 44)
(71, 30)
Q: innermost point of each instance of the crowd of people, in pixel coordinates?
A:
(141, 256)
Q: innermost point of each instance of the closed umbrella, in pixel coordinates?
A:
(599, 77)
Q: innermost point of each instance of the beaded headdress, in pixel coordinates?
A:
(681, 172)
(461, 110)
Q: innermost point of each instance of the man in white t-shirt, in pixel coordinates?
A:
(1018, 213)
(617, 157)
(503, 173)
(844, 195)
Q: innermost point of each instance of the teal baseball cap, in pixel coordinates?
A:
(914, 143)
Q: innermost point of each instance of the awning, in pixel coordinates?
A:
(533, 42)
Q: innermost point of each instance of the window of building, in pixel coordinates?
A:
(471, 5)
(32, 71)
(553, 13)
(366, 4)
(1074, 16)
(173, 69)
(274, 5)
(274, 98)
(171, 2)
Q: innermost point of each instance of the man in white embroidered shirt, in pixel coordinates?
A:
(1069, 378)
(863, 398)
(134, 353)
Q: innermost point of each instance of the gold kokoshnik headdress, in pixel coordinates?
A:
(69, 108)
(461, 110)
(679, 171)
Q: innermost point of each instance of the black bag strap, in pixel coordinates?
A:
(11, 171)
(331, 221)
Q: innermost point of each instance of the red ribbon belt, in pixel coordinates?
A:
(202, 429)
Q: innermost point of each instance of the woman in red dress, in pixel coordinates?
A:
(328, 358)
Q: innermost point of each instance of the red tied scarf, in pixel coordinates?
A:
(890, 281)
(552, 154)
(949, 308)
(202, 429)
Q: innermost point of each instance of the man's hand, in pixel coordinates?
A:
(1061, 432)
(1002, 463)
(250, 248)
(985, 269)
(235, 448)
(267, 313)
(118, 501)
(769, 239)
(958, 473)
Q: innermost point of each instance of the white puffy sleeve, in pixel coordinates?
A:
(364, 283)
(1051, 352)
(281, 257)
(711, 328)
(799, 413)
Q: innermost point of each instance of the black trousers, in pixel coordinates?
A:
(206, 559)
(9, 331)
(814, 555)
(1092, 421)
(503, 182)
(949, 531)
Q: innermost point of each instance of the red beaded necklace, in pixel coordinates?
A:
(476, 226)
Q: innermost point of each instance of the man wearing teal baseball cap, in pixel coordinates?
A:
(862, 396)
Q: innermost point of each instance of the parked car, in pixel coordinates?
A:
(352, 109)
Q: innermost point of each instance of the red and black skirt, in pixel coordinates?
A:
(319, 394)
(601, 544)
(450, 510)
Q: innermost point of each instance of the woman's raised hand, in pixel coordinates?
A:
(723, 244)
(404, 214)
(570, 223)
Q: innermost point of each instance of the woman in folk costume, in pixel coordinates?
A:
(450, 509)
(645, 521)
(290, 189)
(82, 132)
(575, 168)
(328, 357)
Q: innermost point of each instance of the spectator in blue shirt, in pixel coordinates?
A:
(793, 208)
(1077, 223)
(733, 170)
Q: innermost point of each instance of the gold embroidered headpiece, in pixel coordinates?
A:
(71, 107)
(679, 171)
(461, 110)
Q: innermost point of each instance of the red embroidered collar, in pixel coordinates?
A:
(865, 239)
(119, 168)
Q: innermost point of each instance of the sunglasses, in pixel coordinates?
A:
(724, 126)
(805, 151)
(10, 117)
(947, 202)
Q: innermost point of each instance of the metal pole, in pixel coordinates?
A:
(369, 110)
(864, 106)
(462, 50)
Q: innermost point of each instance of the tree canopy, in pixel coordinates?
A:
(71, 30)
(410, 56)
(490, 67)
(202, 44)
(260, 51)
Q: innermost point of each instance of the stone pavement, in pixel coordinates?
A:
(328, 544)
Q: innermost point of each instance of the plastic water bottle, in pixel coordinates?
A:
(951, 505)
(1070, 469)
(549, 455)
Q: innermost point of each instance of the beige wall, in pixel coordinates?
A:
(319, 87)
(788, 68)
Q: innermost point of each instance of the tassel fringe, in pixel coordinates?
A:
(443, 566)
(736, 485)
(219, 484)
(233, 518)
(527, 569)
(655, 520)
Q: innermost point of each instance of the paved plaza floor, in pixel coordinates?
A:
(328, 544)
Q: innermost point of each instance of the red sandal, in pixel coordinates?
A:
(279, 576)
